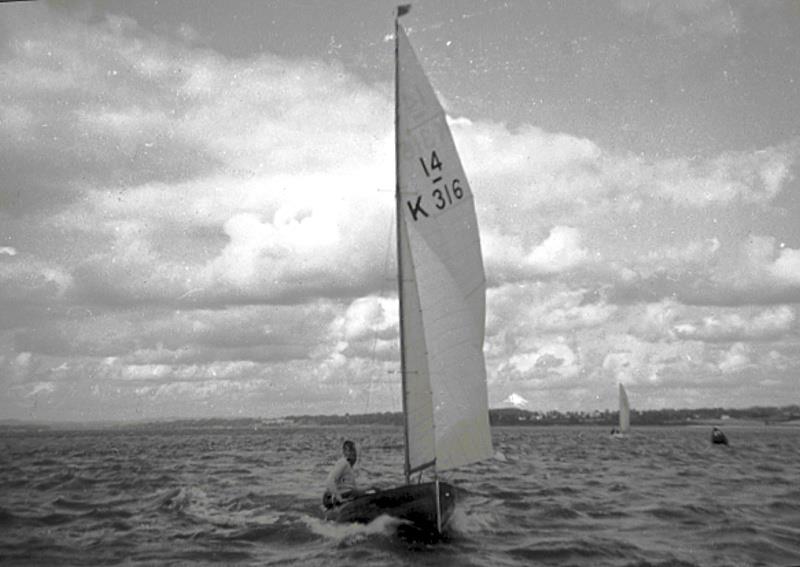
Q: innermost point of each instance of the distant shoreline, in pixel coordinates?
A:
(502, 417)
(176, 426)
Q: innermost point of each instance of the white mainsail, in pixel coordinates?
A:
(624, 411)
(442, 283)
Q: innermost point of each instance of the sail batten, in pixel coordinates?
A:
(443, 285)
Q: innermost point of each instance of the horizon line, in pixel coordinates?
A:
(144, 420)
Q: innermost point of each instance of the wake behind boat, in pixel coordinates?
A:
(442, 299)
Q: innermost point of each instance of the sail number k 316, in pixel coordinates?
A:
(443, 194)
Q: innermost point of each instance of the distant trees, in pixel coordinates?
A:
(516, 416)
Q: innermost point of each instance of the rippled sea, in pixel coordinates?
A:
(555, 496)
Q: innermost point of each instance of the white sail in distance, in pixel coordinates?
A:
(442, 283)
(624, 411)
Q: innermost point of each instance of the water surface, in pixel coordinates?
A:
(238, 496)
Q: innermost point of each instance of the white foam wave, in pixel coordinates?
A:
(473, 520)
(348, 534)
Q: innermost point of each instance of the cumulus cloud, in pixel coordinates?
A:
(655, 321)
(786, 267)
(368, 329)
(285, 209)
(255, 333)
(240, 140)
(27, 279)
(188, 226)
(560, 251)
(653, 364)
(669, 257)
(759, 270)
(770, 323)
(554, 358)
(531, 169)
(734, 359)
(517, 311)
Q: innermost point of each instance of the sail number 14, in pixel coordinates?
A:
(443, 195)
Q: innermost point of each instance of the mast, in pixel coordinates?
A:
(398, 220)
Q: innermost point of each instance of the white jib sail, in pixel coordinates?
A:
(444, 286)
(624, 411)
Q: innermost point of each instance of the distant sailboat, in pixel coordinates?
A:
(624, 414)
(442, 297)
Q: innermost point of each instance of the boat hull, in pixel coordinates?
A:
(719, 439)
(414, 503)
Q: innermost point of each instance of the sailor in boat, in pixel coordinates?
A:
(341, 482)
(718, 437)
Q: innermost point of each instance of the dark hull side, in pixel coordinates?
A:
(415, 503)
(718, 438)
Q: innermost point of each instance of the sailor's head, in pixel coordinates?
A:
(349, 452)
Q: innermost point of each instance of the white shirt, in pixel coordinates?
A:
(341, 478)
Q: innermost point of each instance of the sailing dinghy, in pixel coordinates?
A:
(624, 414)
(442, 298)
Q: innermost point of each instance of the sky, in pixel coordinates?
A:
(196, 202)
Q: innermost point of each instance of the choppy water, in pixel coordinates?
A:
(564, 496)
